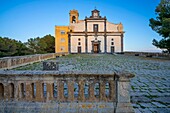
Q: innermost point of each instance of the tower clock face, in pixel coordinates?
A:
(95, 14)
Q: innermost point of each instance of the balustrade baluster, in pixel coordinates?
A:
(39, 91)
(50, 91)
(70, 91)
(91, 91)
(102, 91)
(81, 96)
(29, 95)
(112, 91)
(60, 86)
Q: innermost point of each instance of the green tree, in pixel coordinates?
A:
(11, 47)
(50, 41)
(162, 25)
(21, 49)
(42, 45)
(36, 45)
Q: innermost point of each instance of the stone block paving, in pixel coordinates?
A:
(150, 88)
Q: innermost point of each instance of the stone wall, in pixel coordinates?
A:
(12, 62)
(148, 54)
(53, 91)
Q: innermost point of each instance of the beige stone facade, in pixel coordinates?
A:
(94, 34)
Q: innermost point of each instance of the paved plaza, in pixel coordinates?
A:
(150, 88)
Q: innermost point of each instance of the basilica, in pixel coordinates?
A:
(94, 34)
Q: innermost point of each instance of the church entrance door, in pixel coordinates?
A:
(96, 48)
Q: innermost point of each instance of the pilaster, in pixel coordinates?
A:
(86, 36)
(123, 96)
(105, 37)
(121, 42)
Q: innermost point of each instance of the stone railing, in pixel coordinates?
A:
(13, 62)
(56, 92)
(148, 54)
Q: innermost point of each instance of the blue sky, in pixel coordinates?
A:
(24, 19)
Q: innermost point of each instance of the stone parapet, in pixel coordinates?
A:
(13, 62)
(65, 91)
(148, 54)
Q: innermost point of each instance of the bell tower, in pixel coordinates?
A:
(74, 15)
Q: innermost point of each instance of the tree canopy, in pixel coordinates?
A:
(162, 25)
(11, 47)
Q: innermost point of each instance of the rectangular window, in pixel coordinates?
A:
(62, 32)
(95, 27)
(112, 43)
(62, 40)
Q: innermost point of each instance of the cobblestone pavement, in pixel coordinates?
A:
(150, 88)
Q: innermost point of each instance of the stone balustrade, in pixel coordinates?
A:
(13, 62)
(148, 54)
(54, 91)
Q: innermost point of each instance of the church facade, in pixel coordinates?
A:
(94, 34)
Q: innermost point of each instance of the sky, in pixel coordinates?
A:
(24, 19)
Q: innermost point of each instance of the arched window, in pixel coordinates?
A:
(11, 90)
(1, 90)
(73, 19)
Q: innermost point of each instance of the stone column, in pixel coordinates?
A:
(60, 86)
(81, 96)
(70, 91)
(50, 91)
(123, 97)
(39, 91)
